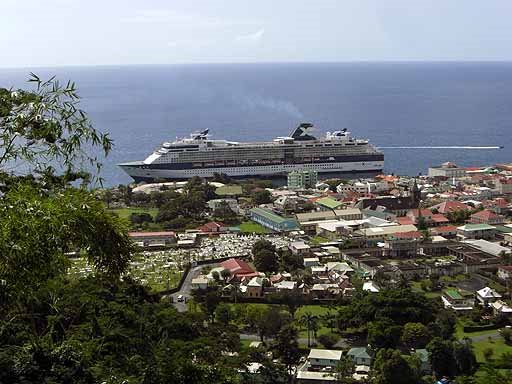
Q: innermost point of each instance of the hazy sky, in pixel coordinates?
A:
(95, 32)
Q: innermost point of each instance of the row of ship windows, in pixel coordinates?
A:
(279, 147)
(274, 168)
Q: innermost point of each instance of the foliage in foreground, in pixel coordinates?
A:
(93, 330)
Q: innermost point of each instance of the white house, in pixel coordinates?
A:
(486, 296)
(323, 358)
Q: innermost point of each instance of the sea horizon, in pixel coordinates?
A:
(392, 103)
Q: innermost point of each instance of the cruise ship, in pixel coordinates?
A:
(200, 155)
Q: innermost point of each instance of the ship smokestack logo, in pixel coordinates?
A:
(303, 132)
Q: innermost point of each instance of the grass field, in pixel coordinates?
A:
(460, 334)
(126, 212)
(497, 345)
(416, 286)
(252, 227)
(317, 240)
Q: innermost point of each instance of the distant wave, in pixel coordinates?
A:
(445, 147)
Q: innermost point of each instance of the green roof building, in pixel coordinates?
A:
(328, 203)
(360, 356)
(273, 221)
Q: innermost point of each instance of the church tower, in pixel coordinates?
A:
(415, 193)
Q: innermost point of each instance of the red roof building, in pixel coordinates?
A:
(450, 206)
(447, 231)
(212, 227)
(498, 205)
(237, 267)
(430, 219)
(486, 217)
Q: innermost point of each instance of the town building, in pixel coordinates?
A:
(255, 287)
(299, 248)
(271, 220)
(328, 203)
(450, 206)
(360, 356)
(457, 300)
(324, 358)
(499, 307)
(377, 234)
(200, 282)
(448, 169)
(239, 269)
(302, 179)
(397, 205)
(476, 231)
(215, 204)
(402, 245)
(505, 272)
(503, 186)
(213, 227)
(486, 217)
(153, 239)
(487, 296)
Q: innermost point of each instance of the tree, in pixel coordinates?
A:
(46, 127)
(139, 218)
(269, 322)
(383, 334)
(328, 340)
(329, 320)
(391, 368)
(223, 314)
(225, 274)
(441, 357)
(422, 225)
(310, 321)
(492, 375)
(262, 197)
(292, 300)
(415, 335)
(286, 347)
(36, 232)
(216, 276)
(344, 370)
(265, 257)
(209, 303)
(488, 353)
(506, 333)
(464, 357)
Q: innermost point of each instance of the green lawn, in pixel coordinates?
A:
(317, 240)
(126, 212)
(252, 227)
(416, 286)
(497, 345)
(460, 334)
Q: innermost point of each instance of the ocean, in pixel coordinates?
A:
(455, 105)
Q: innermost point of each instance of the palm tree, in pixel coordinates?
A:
(311, 323)
(329, 320)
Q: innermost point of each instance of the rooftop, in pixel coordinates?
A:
(453, 294)
(329, 202)
(329, 354)
(268, 214)
(150, 234)
(476, 227)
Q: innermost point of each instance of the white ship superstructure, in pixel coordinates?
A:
(202, 156)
